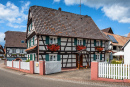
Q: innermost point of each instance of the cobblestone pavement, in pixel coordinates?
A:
(70, 76)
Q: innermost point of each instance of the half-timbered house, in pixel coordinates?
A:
(116, 42)
(77, 37)
(2, 52)
(15, 45)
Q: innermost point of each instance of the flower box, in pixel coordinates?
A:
(99, 48)
(80, 47)
(53, 47)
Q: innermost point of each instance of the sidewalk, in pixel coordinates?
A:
(68, 78)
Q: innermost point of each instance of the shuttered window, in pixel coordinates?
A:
(59, 40)
(47, 57)
(47, 39)
(58, 57)
(94, 57)
(101, 43)
(34, 57)
(100, 56)
(94, 42)
(33, 40)
(75, 41)
(84, 42)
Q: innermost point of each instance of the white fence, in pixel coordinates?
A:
(9, 63)
(16, 64)
(52, 67)
(25, 65)
(114, 71)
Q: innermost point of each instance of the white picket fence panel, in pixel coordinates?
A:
(9, 63)
(25, 65)
(114, 71)
(16, 64)
(52, 67)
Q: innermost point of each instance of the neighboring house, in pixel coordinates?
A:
(116, 43)
(1, 52)
(48, 26)
(15, 45)
(126, 49)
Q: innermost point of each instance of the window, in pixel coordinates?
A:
(13, 50)
(114, 47)
(22, 41)
(21, 51)
(31, 41)
(53, 57)
(97, 43)
(80, 42)
(98, 57)
(53, 40)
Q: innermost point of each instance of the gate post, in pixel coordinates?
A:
(32, 67)
(94, 70)
(19, 64)
(12, 63)
(42, 67)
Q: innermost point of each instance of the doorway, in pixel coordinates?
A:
(81, 60)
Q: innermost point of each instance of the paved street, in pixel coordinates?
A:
(12, 78)
(19, 80)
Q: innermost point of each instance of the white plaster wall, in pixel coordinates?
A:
(127, 54)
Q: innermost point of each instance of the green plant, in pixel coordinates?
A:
(115, 62)
(27, 60)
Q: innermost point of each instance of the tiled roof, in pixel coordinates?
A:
(32, 48)
(13, 39)
(120, 39)
(1, 50)
(108, 30)
(49, 21)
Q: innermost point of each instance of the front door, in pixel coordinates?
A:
(81, 60)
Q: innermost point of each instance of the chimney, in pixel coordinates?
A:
(59, 9)
(128, 35)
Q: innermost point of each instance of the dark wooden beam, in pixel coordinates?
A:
(66, 44)
(43, 42)
(37, 47)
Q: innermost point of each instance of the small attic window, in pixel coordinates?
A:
(22, 41)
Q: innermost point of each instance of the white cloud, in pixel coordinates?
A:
(118, 10)
(129, 27)
(13, 14)
(125, 35)
(2, 35)
(56, 0)
(15, 26)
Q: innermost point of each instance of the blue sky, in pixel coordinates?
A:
(105, 13)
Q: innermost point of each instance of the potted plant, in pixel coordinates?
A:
(80, 47)
(53, 47)
(99, 48)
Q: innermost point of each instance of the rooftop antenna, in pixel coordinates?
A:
(80, 7)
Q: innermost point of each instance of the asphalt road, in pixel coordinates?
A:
(8, 79)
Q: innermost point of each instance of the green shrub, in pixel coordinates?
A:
(115, 62)
(28, 60)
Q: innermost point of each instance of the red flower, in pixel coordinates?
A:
(80, 47)
(81, 66)
(99, 48)
(53, 47)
